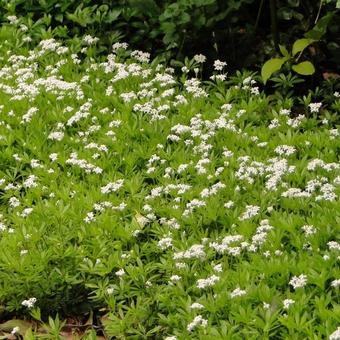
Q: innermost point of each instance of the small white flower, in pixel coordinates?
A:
(29, 303)
(266, 305)
(200, 58)
(251, 211)
(208, 282)
(335, 335)
(120, 273)
(15, 330)
(165, 243)
(14, 202)
(219, 65)
(196, 305)
(218, 268)
(237, 292)
(308, 230)
(110, 290)
(112, 187)
(285, 150)
(287, 303)
(175, 278)
(198, 321)
(335, 283)
(298, 281)
(58, 136)
(12, 19)
(53, 157)
(315, 107)
(229, 204)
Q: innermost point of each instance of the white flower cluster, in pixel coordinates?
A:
(335, 283)
(333, 245)
(287, 303)
(315, 107)
(174, 279)
(196, 305)
(205, 193)
(219, 65)
(26, 118)
(315, 163)
(89, 40)
(112, 187)
(192, 205)
(327, 190)
(56, 135)
(295, 122)
(193, 86)
(250, 212)
(237, 292)
(120, 273)
(82, 113)
(285, 150)
(261, 234)
(225, 245)
(195, 251)
(200, 58)
(142, 57)
(14, 202)
(31, 182)
(165, 243)
(298, 281)
(83, 164)
(29, 303)
(335, 335)
(308, 230)
(198, 321)
(208, 282)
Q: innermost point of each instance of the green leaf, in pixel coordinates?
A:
(9, 325)
(306, 68)
(320, 28)
(271, 66)
(112, 15)
(301, 44)
(284, 51)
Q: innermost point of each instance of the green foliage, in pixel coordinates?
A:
(229, 29)
(300, 44)
(305, 68)
(144, 204)
(271, 66)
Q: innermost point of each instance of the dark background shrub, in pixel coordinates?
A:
(240, 32)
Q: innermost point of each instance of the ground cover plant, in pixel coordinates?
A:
(149, 206)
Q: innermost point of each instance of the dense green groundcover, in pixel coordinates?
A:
(163, 207)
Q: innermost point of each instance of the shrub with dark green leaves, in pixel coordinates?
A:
(242, 32)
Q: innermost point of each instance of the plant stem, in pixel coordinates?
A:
(273, 17)
(319, 11)
(258, 15)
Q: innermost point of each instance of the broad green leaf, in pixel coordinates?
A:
(306, 68)
(300, 45)
(9, 325)
(320, 28)
(284, 51)
(271, 66)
